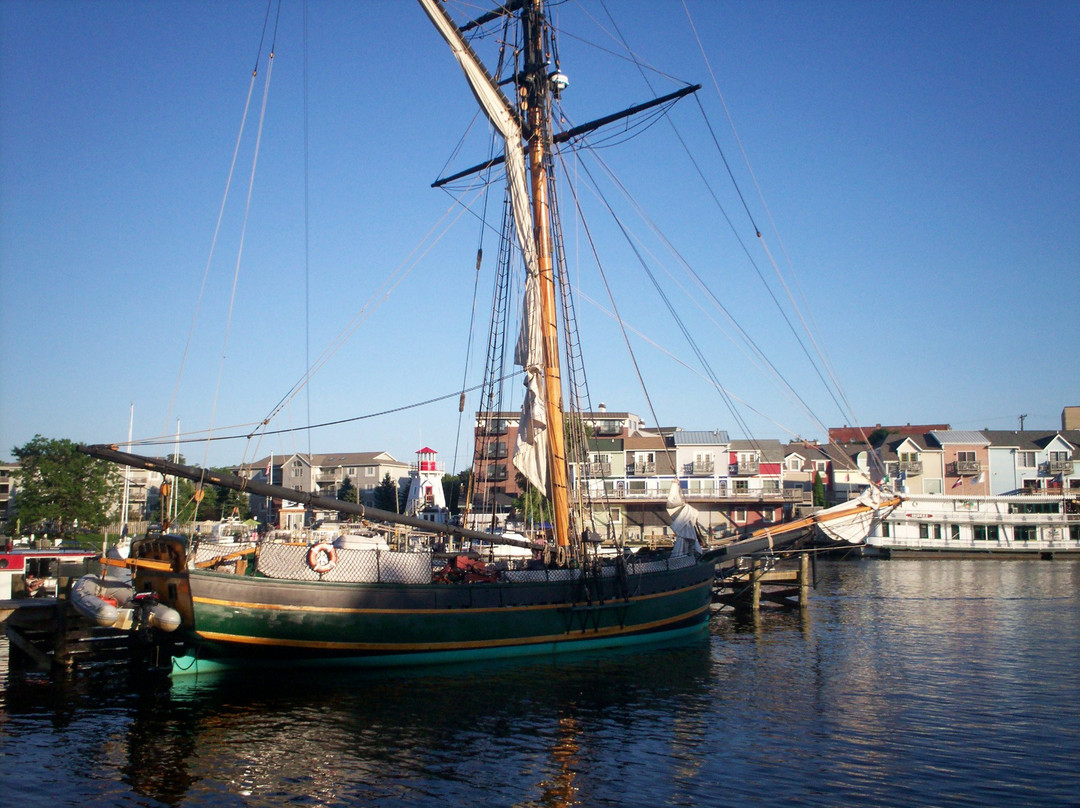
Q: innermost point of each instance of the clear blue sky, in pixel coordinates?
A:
(921, 162)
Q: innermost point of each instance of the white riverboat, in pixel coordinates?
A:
(1039, 525)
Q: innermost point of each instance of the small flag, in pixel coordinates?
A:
(979, 480)
(958, 483)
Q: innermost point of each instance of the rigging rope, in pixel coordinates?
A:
(217, 225)
(164, 440)
(811, 327)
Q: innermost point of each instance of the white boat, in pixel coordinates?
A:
(1040, 525)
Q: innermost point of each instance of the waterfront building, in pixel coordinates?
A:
(495, 483)
(319, 474)
(967, 461)
(1070, 418)
(736, 486)
(914, 463)
(7, 492)
(838, 465)
(872, 434)
(1034, 461)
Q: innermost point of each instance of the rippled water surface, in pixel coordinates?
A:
(907, 683)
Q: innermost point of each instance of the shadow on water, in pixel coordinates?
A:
(914, 683)
(356, 735)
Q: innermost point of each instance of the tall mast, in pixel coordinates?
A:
(536, 96)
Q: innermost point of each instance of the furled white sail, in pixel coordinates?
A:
(684, 523)
(854, 528)
(531, 449)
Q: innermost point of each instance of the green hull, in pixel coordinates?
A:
(240, 619)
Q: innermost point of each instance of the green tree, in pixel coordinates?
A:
(454, 486)
(386, 495)
(59, 485)
(819, 490)
(229, 500)
(532, 505)
(348, 492)
(878, 436)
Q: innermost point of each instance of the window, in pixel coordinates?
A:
(928, 531)
(740, 515)
(770, 486)
(1034, 507)
(885, 529)
(954, 532)
(1059, 457)
(965, 457)
(909, 457)
(821, 466)
(1025, 533)
(793, 464)
(986, 532)
(769, 515)
(616, 515)
(369, 471)
(742, 486)
(1025, 459)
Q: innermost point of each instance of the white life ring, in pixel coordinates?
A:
(322, 557)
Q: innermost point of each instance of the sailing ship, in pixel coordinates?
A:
(333, 603)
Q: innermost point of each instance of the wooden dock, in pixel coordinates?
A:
(781, 581)
(47, 634)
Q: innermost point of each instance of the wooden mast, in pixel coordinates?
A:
(536, 99)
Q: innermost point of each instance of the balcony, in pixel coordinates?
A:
(744, 468)
(1058, 467)
(641, 468)
(911, 467)
(598, 469)
(699, 467)
(324, 479)
(965, 467)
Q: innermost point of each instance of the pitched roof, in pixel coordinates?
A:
(701, 437)
(952, 436)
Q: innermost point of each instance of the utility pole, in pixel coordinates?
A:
(1022, 417)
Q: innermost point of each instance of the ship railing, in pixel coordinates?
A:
(606, 570)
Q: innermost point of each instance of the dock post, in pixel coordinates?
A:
(756, 572)
(804, 580)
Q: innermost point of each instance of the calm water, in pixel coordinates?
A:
(908, 683)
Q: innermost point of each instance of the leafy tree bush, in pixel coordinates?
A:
(60, 487)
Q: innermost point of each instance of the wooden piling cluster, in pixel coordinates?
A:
(778, 581)
(48, 635)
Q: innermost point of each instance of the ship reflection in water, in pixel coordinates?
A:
(908, 682)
